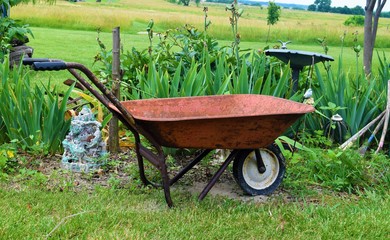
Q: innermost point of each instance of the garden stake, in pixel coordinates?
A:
(364, 148)
(349, 142)
(386, 123)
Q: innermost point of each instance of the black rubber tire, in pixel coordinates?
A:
(250, 180)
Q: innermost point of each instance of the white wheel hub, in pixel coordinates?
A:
(251, 174)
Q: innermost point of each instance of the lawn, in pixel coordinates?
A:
(120, 214)
(55, 204)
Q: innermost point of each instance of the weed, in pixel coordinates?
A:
(8, 162)
(236, 13)
(114, 182)
(344, 171)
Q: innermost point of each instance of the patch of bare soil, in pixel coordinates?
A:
(121, 171)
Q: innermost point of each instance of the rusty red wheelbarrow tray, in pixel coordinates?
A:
(242, 121)
(237, 122)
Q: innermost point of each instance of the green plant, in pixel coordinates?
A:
(353, 94)
(12, 33)
(315, 139)
(34, 177)
(207, 22)
(343, 171)
(33, 117)
(356, 48)
(354, 21)
(380, 88)
(236, 13)
(8, 162)
(259, 76)
(176, 46)
(324, 44)
(157, 83)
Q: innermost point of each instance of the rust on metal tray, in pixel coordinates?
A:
(240, 121)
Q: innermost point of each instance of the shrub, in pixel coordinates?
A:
(354, 21)
(12, 34)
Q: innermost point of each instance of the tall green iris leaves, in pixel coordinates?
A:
(32, 117)
(353, 94)
(214, 77)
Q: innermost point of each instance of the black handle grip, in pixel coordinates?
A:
(30, 61)
(49, 66)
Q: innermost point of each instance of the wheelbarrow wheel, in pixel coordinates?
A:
(248, 176)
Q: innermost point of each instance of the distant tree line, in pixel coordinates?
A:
(182, 2)
(358, 10)
(319, 6)
(325, 6)
(220, 1)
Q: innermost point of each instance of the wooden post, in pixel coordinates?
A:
(113, 139)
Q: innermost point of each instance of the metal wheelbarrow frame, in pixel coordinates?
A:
(243, 123)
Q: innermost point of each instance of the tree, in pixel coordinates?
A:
(370, 29)
(323, 5)
(273, 16)
(185, 2)
(357, 10)
(312, 8)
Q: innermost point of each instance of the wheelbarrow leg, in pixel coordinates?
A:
(185, 169)
(141, 166)
(216, 176)
(160, 163)
(162, 167)
(166, 183)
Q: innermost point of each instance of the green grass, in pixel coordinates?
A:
(299, 26)
(81, 46)
(33, 213)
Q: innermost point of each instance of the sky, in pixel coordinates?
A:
(336, 3)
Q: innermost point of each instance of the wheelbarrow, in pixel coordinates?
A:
(247, 124)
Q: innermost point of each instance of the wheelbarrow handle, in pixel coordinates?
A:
(44, 64)
(30, 61)
(49, 66)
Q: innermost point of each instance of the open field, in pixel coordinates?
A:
(132, 15)
(81, 46)
(68, 30)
